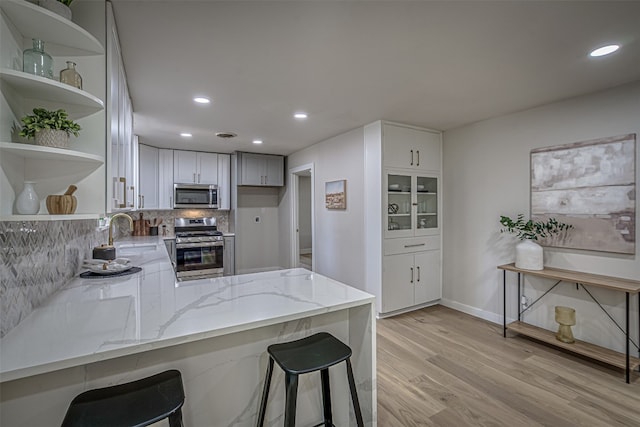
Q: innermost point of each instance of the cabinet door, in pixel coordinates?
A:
(148, 181)
(165, 179)
(406, 147)
(224, 182)
(207, 169)
(400, 146)
(184, 166)
(398, 276)
(398, 204)
(252, 169)
(274, 174)
(428, 151)
(427, 277)
(427, 201)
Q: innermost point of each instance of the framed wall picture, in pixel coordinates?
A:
(335, 194)
(592, 186)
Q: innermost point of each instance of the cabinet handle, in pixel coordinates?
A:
(411, 274)
(411, 157)
(414, 245)
(142, 202)
(418, 151)
(198, 178)
(194, 177)
(133, 196)
(418, 273)
(123, 180)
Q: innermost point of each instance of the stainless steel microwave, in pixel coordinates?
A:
(195, 196)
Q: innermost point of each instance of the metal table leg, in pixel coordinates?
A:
(504, 303)
(626, 332)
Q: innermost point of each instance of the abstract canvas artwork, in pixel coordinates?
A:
(591, 185)
(335, 194)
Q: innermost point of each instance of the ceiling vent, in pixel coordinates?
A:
(226, 135)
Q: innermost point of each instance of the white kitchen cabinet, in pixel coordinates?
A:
(224, 181)
(411, 148)
(411, 280)
(193, 167)
(148, 177)
(121, 190)
(260, 170)
(165, 179)
(52, 169)
(403, 235)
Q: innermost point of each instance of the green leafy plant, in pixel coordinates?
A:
(45, 119)
(532, 229)
(66, 2)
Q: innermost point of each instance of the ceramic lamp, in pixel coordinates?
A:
(566, 317)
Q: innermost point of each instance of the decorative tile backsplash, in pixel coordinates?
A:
(36, 259)
(39, 257)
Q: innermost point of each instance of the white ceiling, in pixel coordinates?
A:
(348, 63)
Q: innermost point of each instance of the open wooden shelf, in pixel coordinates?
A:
(592, 351)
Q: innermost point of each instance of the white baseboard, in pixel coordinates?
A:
(473, 311)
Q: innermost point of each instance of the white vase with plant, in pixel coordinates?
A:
(529, 254)
(59, 7)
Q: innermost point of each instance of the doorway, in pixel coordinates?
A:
(302, 214)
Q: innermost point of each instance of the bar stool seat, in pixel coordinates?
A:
(137, 403)
(317, 352)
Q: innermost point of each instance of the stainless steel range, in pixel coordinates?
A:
(199, 248)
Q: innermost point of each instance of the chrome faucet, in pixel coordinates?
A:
(110, 243)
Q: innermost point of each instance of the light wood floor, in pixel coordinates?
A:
(440, 367)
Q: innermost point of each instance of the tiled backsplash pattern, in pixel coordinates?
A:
(36, 259)
(39, 257)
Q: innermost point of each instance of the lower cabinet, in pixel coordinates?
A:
(410, 279)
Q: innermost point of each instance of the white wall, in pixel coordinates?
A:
(304, 214)
(339, 233)
(486, 174)
(257, 242)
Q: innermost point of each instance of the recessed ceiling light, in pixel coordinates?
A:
(257, 141)
(604, 50)
(186, 135)
(201, 100)
(300, 115)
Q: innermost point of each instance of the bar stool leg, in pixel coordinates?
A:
(291, 396)
(265, 393)
(354, 395)
(326, 397)
(175, 419)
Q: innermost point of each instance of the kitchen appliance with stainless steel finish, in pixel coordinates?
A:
(199, 249)
(195, 196)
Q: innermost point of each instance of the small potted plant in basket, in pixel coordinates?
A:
(529, 254)
(49, 128)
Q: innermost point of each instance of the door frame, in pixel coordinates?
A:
(294, 174)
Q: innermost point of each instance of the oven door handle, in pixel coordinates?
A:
(198, 245)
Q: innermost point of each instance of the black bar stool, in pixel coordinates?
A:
(138, 403)
(315, 353)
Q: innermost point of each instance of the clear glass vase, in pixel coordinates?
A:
(71, 76)
(36, 61)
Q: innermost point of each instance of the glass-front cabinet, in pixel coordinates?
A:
(412, 204)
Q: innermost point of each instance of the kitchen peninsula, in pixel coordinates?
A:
(100, 332)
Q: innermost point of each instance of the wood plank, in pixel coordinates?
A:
(440, 367)
(600, 281)
(583, 348)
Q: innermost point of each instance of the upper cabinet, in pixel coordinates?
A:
(224, 181)
(260, 169)
(53, 169)
(194, 167)
(148, 177)
(165, 179)
(411, 148)
(121, 191)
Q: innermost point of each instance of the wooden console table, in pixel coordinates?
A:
(610, 357)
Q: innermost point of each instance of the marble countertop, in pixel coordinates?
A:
(97, 319)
